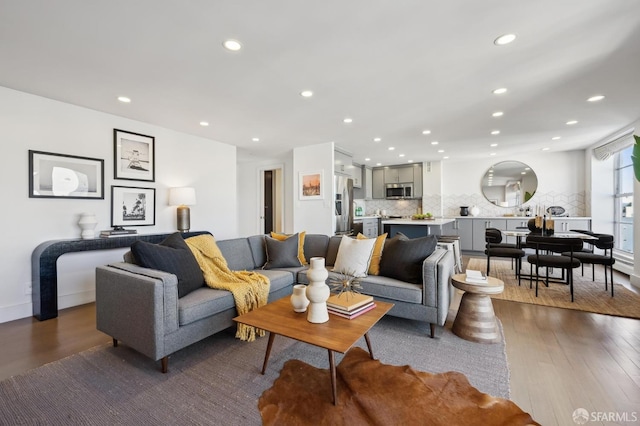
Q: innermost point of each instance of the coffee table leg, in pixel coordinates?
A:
(366, 338)
(266, 355)
(332, 367)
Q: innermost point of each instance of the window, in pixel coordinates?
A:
(623, 222)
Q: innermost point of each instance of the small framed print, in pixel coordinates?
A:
(132, 206)
(311, 187)
(65, 176)
(133, 156)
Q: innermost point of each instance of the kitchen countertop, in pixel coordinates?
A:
(434, 222)
(357, 218)
(522, 217)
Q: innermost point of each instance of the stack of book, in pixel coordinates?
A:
(475, 277)
(108, 233)
(349, 304)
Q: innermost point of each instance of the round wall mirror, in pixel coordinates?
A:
(509, 184)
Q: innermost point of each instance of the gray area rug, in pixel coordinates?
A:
(218, 380)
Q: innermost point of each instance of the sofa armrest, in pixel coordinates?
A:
(436, 278)
(137, 305)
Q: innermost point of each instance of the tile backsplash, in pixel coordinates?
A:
(393, 207)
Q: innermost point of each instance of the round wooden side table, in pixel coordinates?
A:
(476, 320)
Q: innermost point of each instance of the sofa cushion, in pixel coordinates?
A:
(258, 250)
(301, 235)
(374, 265)
(402, 257)
(354, 256)
(315, 245)
(237, 253)
(171, 255)
(203, 303)
(332, 250)
(282, 254)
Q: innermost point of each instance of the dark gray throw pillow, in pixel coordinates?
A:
(402, 257)
(282, 254)
(172, 255)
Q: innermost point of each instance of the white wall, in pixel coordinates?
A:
(32, 122)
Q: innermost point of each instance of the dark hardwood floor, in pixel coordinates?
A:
(560, 360)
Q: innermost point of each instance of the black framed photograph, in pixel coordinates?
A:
(133, 156)
(132, 206)
(54, 175)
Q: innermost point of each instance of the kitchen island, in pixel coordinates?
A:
(417, 228)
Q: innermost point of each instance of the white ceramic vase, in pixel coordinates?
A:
(299, 299)
(475, 211)
(317, 291)
(87, 223)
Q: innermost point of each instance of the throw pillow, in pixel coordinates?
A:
(403, 257)
(354, 256)
(301, 235)
(174, 256)
(282, 254)
(374, 265)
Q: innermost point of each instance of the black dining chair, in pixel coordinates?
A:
(604, 242)
(496, 248)
(548, 254)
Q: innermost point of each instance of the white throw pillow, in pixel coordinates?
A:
(354, 256)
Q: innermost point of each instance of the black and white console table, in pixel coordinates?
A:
(44, 270)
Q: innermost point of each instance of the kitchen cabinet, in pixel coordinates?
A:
(378, 187)
(356, 174)
(464, 229)
(417, 181)
(565, 225)
(342, 163)
(479, 228)
(398, 174)
(370, 228)
(368, 183)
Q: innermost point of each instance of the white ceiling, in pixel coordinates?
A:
(395, 67)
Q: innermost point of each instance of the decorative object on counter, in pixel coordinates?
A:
(299, 299)
(317, 291)
(87, 223)
(556, 210)
(635, 157)
(475, 211)
(541, 225)
(116, 232)
(345, 283)
(464, 211)
(182, 197)
(426, 216)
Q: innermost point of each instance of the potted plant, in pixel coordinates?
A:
(635, 157)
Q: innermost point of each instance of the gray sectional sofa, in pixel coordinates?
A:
(140, 306)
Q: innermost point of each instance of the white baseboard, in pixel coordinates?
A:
(25, 310)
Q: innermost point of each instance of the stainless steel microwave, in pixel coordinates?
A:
(399, 191)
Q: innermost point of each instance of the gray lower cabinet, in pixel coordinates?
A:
(564, 225)
(370, 228)
(464, 229)
(479, 228)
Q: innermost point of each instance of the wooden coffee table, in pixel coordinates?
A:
(476, 320)
(336, 335)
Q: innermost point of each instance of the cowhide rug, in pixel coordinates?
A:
(372, 393)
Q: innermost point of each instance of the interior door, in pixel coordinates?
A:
(268, 207)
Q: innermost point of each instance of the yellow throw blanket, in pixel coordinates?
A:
(250, 289)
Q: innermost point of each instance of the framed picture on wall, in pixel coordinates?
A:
(133, 206)
(65, 176)
(133, 156)
(311, 187)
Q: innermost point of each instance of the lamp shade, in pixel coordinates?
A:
(184, 196)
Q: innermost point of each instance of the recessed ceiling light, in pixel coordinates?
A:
(255, 139)
(523, 173)
(500, 91)
(124, 99)
(498, 114)
(434, 143)
(306, 93)
(495, 132)
(493, 145)
(233, 45)
(204, 123)
(596, 98)
(400, 155)
(348, 120)
(391, 148)
(546, 149)
(367, 159)
(378, 164)
(426, 132)
(572, 122)
(446, 157)
(504, 39)
(377, 139)
(493, 153)
(555, 138)
(409, 161)
(527, 168)
(441, 151)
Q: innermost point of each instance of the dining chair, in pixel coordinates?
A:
(604, 242)
(549, 254)
(496, 248)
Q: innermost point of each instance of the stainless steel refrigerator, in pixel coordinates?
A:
(344, 204)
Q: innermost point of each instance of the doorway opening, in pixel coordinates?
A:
(271, 201)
